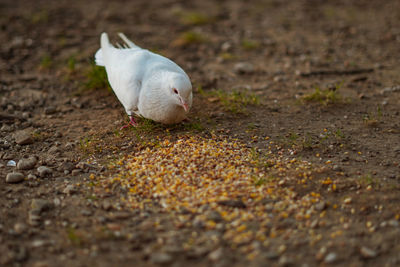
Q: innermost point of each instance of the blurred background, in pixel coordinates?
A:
(273, 35)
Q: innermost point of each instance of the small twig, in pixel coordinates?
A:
(335, 72)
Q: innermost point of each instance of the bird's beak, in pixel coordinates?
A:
(185, 107)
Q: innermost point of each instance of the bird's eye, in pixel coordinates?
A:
(175, 91)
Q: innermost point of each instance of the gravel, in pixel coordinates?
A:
(75, 172)
(388, 90)
(31, 176)
(69, 190)
(14, 177)
(68, 166)
(320, 206)
(215, 216)
(34, 217)
(27, 164)
(285, 261)
(244, 68)
(11, 163)
(44, 171)
(54, 150)
(394, 223)
(272, 255)
(40, 205)
(23, 137)
(330, 257)
(216, 254)
(50, 110)
(20, 228)
(161, 258)
(368, 253)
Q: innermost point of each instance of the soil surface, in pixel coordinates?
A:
(301, 98)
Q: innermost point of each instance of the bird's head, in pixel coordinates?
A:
(180, 91)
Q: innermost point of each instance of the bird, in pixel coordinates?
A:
(147, 84)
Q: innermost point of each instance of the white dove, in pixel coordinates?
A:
(147, 84)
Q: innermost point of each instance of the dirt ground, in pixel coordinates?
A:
(309, 89)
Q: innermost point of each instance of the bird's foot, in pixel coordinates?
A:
(132, 122)
(125, 126)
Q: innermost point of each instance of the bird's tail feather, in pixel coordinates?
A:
(101, 54)
(104, 41)
(99, 58)
(127, 41)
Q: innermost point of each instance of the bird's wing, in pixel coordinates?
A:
(157, 63)
(125, 68)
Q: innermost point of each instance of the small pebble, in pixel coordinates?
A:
(244, 67)
(368, 253)
(44, 171)
(161, 258)
(50, 110)
(68, 166)
(195, 253)
(27, 164)
(285, 261)
(31, 176)
(6, 128)
(23, 138)
(56, 202)
(321, 253)
(215, 216)
(14, 177)
(54, 150)
(314, 224)
(330, 258)
(394, 223)
(11, 163)
(33, 217)
(40, 205)
(69, 190)
(226, 46)
(69, 145)
(320, 206)
(347, 200)
(86, 212)
(75, 172)
(26, 115)
(271, 255)
(38, 243)
(336, 168)
(8, 156)
(216, 254)
(388, 90)
(20, 228)
(106, 205)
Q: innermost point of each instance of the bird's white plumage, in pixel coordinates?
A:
(146, 84)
